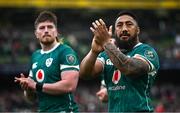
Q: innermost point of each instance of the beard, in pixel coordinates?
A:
(126, 45)
(47, 40)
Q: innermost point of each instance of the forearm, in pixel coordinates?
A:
(129, 66)
(60, 87)
(87, 65)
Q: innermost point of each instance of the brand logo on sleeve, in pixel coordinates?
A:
(40, 75)
(34, 65)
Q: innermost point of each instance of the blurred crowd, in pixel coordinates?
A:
(165, 98)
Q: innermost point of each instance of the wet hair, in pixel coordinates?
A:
(46, 16)
(129, 13)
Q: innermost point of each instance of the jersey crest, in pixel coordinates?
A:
(150, 54)
(116, 76)
(108, 62)
(71, 59)
(40, 75)
(49, 62)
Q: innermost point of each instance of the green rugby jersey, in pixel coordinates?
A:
(46, 68)
(126, 94)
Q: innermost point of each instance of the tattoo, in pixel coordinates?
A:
(129, 66)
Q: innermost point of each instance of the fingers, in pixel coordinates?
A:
(95, 25)
(23, 82)
(19, 79)
(24, 85)
(93, 30)
(102, 22)
(16, 79)
(98, 23)
(22, 75)
(110, 30)
(98, 93)
(98, 27)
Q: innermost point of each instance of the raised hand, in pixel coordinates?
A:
(101, 34)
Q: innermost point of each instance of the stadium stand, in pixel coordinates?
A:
(160, 28)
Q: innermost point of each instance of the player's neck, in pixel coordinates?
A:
(48, 47)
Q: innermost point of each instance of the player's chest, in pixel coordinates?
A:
(112, 74)
(44, 61)
(44, 66)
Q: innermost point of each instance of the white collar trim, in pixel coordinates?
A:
(48, 51)
(137, 44)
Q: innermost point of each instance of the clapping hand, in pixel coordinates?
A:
(102, 35)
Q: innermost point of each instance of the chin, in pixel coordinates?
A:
(47, 42)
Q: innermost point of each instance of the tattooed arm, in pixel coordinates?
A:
(129, 66)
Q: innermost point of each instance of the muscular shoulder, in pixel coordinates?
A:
(35, 53)
(148, 53)
(142, 46)
(65, 49)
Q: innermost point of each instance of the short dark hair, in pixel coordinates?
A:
(46, 16)
(129, 13)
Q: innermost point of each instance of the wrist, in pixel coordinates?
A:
(39, 87)
(95, 53)
(107, 43)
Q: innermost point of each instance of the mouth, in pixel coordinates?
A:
(124, 37)
(46, 36)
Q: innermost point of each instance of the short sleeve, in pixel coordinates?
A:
(69, 60)
(149, 55)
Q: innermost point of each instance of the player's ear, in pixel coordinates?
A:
(35, 33)
(138, 30)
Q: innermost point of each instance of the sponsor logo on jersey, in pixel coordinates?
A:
(49, 62)
(40, 75)
(149, 54)
(115, 88)
(71, 59)
(116, 76)
(108, 62)
(34, 65)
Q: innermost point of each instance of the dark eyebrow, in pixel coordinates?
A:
(41, 27)
(125, 22)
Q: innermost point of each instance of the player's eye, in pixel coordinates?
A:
(42, 27)
(129, 24)
(49, 26)
(119, 25)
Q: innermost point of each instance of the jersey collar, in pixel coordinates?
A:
(42, 51)
(138, 44)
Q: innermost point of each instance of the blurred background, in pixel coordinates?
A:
(160, 27)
